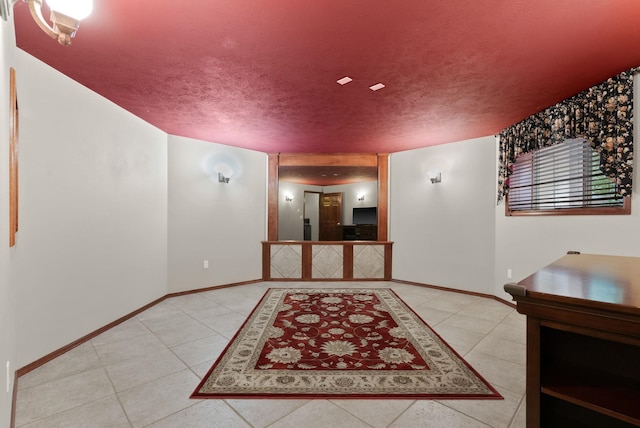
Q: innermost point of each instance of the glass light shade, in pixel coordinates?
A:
(76, 9)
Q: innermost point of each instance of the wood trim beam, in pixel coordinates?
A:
(347, 261)
(383, 196)
(266, 261)
(388, 257)
(380, 160)
(272, 197)
(307, 261)
(328, 159)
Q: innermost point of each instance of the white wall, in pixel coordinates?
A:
(444, 233)
(453, 234)
(222, 223)
(526, 244)
(92, 243)
(290, 213)
(7, 284)
(312, 214)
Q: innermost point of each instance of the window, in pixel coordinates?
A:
(563, 179)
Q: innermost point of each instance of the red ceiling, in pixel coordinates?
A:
(262, 74)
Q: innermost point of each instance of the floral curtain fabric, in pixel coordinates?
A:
(602, 115)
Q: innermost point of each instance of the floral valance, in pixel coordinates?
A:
(602, 115)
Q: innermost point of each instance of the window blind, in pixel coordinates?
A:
(562, 176)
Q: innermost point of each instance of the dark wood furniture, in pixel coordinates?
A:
(359, 232)
(583, 341)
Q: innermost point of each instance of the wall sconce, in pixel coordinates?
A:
(361, 196)
(288, 197)
(222, 178)
(436, 177)
(65, 17)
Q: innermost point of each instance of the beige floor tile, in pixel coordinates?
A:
(510, 332)
(467, 322)
(131, 373)
(201, 350)
(377, 413)
(127, 349)
(495, 413)
(178, 329)
(431, 315)
(488, 309)
(460, 339)
(163, 309)
(104, 413)
(195, 302)
(126, 330)
(76, 360)
(146, 358)
(53, 397)
(204, 413)
(520, 420)
(498, 347)
(264, 412)
(499, 372)
(451, 302)
(319, 414)
(431, 414)
(158, 399)
(225, 323)
(201, 370)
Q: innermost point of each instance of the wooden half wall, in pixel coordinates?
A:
(326, 260)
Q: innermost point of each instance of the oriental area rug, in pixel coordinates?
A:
(339, 343)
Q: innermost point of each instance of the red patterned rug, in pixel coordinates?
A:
(346, 343)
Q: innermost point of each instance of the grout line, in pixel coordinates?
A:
(274, 284)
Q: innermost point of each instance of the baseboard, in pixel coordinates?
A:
(41, 361)
(53, 355)
(14, 399)
(455, 290)
(215, 287)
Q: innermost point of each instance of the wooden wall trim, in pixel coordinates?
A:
(328, 159)
(380, 160)
(266, 261)
(383, 197)
(307, 261)
(347, 261)
(272, 197)
(41, 361)
(388, 257)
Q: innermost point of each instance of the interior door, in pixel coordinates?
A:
(331, 217)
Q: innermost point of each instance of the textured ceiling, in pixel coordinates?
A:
(262, 74)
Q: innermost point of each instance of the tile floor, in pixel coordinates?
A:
(141, 372)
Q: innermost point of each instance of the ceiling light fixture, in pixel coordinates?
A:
(376, 87)
(65, 17)
(344, 80)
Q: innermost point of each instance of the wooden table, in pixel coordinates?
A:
(583, 341)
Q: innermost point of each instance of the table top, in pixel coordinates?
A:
(595, 280)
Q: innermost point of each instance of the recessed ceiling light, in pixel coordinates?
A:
(344, 80)
(376, 87)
